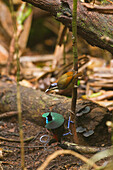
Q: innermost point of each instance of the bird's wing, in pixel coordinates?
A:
(64, 81)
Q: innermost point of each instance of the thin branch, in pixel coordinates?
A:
(14, 140)
(17, 32)
(101, 9)
(8, 114)
(60, 152)
(75, 64)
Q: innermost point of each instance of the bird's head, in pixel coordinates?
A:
(52, 87)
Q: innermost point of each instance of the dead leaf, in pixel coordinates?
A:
(11, 130)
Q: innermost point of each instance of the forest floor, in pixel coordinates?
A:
(42, 62)
(35, 151)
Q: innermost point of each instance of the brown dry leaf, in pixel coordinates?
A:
(17, 1)
(105, 103)
(1, 153)
(36, 58)
(96, 62)
(25, 33)
(3, 55)
(25, 83)
(105, 95)
(11, 130)
(1, 127)
(58, 53)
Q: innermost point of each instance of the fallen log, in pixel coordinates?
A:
(94, 27)
(91, 118)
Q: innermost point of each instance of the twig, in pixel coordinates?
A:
(61, 35)
(19, 106)
(71, 111)
(17, 31)
(100, 9)
(60, 152)
(82, 60)
(75, 63)
(8, 114)
(17, 141)
(4, 162)
(18, 28)
(107, 39)
(7, 151)
(1, 165)
(12, 146)
(98, 156)
(84, 149)
(36, 58)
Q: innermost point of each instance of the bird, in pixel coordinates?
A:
(66, 81)
(55, 125)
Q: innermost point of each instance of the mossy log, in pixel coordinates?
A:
(35, 103)
(94, 27)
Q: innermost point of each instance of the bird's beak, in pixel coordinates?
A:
(47, 90)
(52, 87)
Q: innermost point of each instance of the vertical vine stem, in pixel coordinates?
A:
(18, 87)
(75, 64)
(19, 108)
(112, 129)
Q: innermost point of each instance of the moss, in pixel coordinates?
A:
(82, 23)
(3, 101)
(7, 98)
(59, 14)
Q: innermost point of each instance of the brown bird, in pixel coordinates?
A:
(66, 81)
